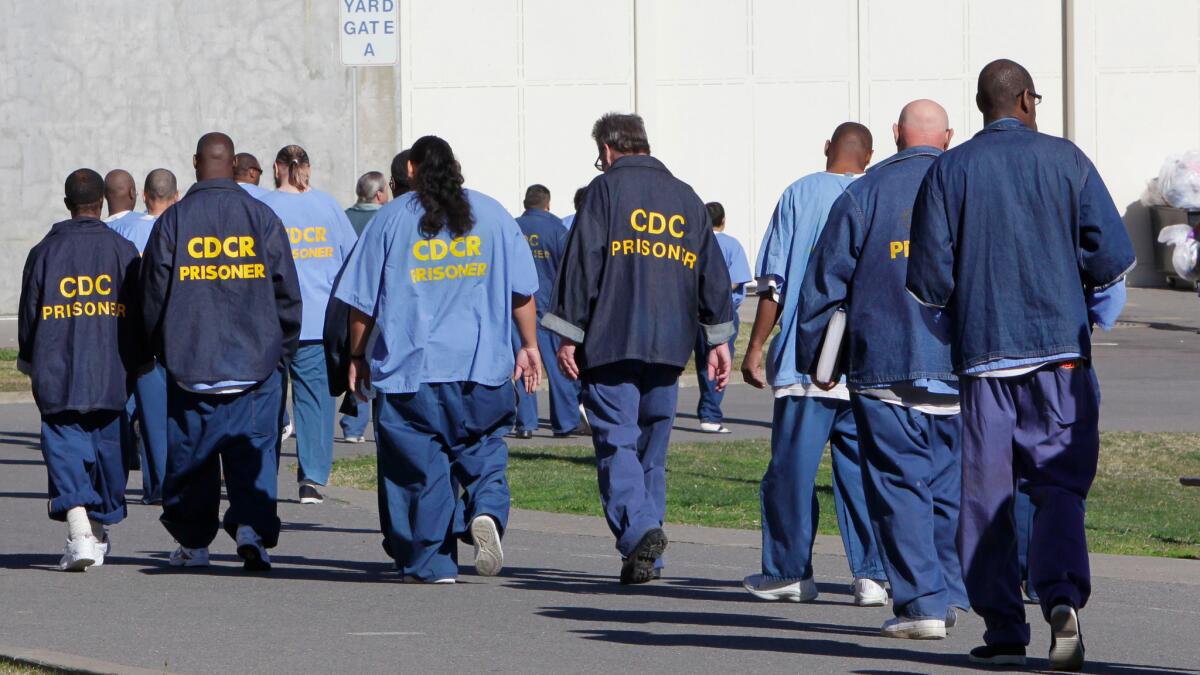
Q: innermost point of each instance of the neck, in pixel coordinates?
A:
(839, 165)
(85, 214)
(156, 209)
(118, 208)
(289, 188)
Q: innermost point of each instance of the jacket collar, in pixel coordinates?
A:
(644, 161)
(908, 153)
(1004, 124)
(82, 223)
(214, 184)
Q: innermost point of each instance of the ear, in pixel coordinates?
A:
(67, 203)
(412, 170)
(949, 135)
(195, 161)
(896, 133)
(870, 154)
(827, 145)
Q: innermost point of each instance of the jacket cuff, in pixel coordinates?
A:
(24, 367)
(718, 334)
(563, 327)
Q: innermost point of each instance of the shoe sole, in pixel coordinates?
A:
(311, 500)
(1066, 646)
(917, 632)
(780, 595)
(252, 560)
(870, 601)
(1005, 660)
(78, 565)
(640, 567)
(188, 563)
(489, 555)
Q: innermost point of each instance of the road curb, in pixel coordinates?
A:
(70, 663)
(9, 397)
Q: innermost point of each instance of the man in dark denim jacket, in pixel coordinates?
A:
(906, 406)
(1015, 235)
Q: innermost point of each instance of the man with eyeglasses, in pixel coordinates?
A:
(1015, 235)
(247, 172)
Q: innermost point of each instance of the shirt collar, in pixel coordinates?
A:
(915, 151)
(366, 206)
(214, 184)
(116, 216)
(1005, 124)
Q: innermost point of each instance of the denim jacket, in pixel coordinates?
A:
(1012, 231)
(860, 261)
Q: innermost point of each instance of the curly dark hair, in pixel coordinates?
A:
(437, 179)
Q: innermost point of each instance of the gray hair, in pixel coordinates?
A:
(370, 184)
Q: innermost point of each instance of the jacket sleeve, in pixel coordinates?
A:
(157, 263)
(27, 320)
(826, 284)
(287, 285)
(581, 269)
(1105, 252)
(932, 245)
(716, 300)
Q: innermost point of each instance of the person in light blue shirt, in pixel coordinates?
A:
(442, 272)
(321, 237)
(247, 173)
(708, 409)
(569, 220)
(806, 416)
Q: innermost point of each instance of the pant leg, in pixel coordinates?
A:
(192, 484)
(85, 464)
(849, 500)
(564, 392)
(478, 453)
(527, 407)
(356, 426)
(248, 438)
(1058, 440)
(313, 410)
(945, 483)
(415, 485)
(799, 430)
(986, 533)
(897, 460)
(151, 395)
(658, 391)
(1023, 515)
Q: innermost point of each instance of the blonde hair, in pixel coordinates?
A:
(295, 159)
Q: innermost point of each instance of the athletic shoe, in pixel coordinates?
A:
(409, 579)
(79, 554)
(804, 590)
(102, 547)
(286, 432)
(951, 618)
(355, 439)
(999, 655)
(869, 593)
(489, 556)
(1066, 640)
(250, 550)
(523, 434)
(581, 430)
(638, 568)
(713, 428)
(189, 557)
(584, 424)
(913, 629)
(309, 494)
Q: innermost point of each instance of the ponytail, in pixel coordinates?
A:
(438, 181)
(295, 160)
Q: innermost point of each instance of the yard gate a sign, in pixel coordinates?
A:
(368, 31)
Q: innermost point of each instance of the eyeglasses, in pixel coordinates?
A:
(1037, 98)
(599, 164)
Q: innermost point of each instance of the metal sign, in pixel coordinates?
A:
(369, 32)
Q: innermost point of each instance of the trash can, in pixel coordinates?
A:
(1160, 217)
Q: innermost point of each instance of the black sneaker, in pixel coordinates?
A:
(1066, 640)
(580, 430)
(638, 568)
(309, 494)
(999, 655)
(523, 434)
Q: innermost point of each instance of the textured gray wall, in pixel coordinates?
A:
(133, 83)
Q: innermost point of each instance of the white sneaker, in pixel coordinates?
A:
(869, 593)
(913, 629)
(250, 550)
(189, 557)
(489, 556)
(286, 432)
(79, 554)
(764, 588)
(440, 582)
(355, 439)
(585, 427)
(102, 547)
(713, 428)
(1066, 640)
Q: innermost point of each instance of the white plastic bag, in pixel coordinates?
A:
(1179, 180)
(1183, 258)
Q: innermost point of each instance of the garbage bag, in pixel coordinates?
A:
(1179, 180)
(1183, 257)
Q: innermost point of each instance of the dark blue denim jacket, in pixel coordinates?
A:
(861, 260)
(1011, 232)
(547, 241)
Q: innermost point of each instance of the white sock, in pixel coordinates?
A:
(78, 523)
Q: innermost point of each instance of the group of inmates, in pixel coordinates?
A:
(962, 411)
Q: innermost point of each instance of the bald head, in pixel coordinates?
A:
(214, 156)
(246, 168)
(160, 191)
(1005, 90)
(849, 149)
(923, 122)
(119, 191)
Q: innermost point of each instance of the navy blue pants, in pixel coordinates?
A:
(631, 407)
(432, 445)
(85, 464)
(353, 427)
(313, 410)
(912, 470)
(149, 408)
(708, 409)
(1041, 427)
(800, 429)
(213, 434)
(564, 392)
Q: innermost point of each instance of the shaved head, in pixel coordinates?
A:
(160, 191)
(120, 191)
(849, 149)
(1002, 87)
(214, 156)
(923, 122)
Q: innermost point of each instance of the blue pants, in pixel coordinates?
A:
(444, 439)
(1043, 428)
(631, 406)
(150, 397)
(708, 409)
(213, 434)
(1023, 517)
(313, 410)
(85, 464)
(912, 470)
(354, 427)
(564, 392)
(800, 428)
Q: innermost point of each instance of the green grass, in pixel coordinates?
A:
(1136, 507)
(10, 378)
(10, 667)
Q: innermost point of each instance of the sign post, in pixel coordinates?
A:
(369, 37)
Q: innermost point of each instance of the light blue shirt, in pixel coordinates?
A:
(798, 220)
(569, 220)
(739, 267)
(134, 226)
(321, 238)
(254, 190)
(443, 306)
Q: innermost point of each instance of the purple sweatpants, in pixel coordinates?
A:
(1041, 427)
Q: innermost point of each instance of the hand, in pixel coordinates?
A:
(752, 370)
(359, 377)
(566, 359)
(720, 363)
(824, 386)
(529, 368)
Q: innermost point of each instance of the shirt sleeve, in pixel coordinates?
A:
(288, 302)
(345, 235)
(362, 275)
(1105, 252)
(739, 266)
(827, 280)
(523, 278)
(716, 304)
(27, 320)
(776, 249)
(1105, 305)
(931, 244)
(158, 259)
(582, 266)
